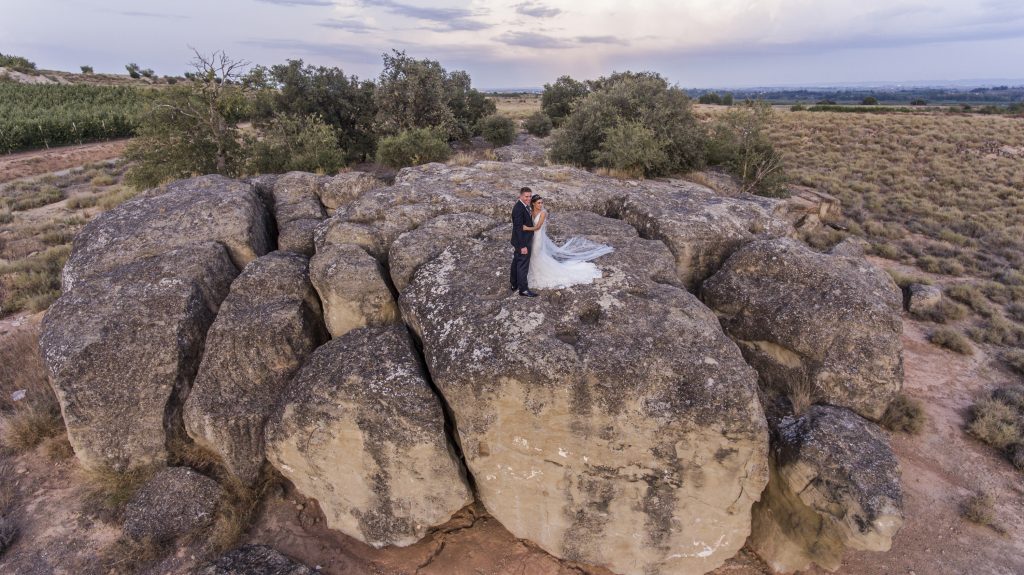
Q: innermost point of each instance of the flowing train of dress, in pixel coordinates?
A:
(554, 267)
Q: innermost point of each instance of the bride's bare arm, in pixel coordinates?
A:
(540, 222)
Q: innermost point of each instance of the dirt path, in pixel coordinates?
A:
(39, 162)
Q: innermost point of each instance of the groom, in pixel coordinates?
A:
(522, 240)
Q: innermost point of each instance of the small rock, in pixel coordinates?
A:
(254, 560)
(923, 297)
(175, 502)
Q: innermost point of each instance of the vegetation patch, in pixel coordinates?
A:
(952, 340)
(905, 415)
(998, 420)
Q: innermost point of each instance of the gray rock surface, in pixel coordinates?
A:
(923, 297)
(122, 349)
(267, 326)
(297, 210)
(851, 246)
(352, 288)
(342, 189)
(414, 248)
(361, 431)
(835, 485)
(175, 502)
(204, 209)
(526, 149)
(601, 421)
(338, 232)
(254, 560)
(818, 328)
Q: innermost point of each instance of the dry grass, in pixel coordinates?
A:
(109, 491)
(8, 534)
(943, 312)
(1015, 359)
(905, 414)
(980, 508)
(972, 296)
(127, 555)
(32, 283)
(517, 107)
(35, 417)
(998, 420)
(952, 340)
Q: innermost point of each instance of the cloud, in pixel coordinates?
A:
(152, 15)
(537, 10)
(463, 24)
(532, 40)
(602, 40)
(442, 15)
(349, 25)
(336, 51)
(299, 2)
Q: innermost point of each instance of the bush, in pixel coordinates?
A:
(1016, 311)
(971, 296)
(943, 312)
(918, 102)
(951, 340)
(980, 509)
(905, 414)
(710, 98)
(870, 101)
(727, 99)
(538, 124)
(1015, 359)
(559, 99)
(16, 63)
(644, 99)
(797, 108)
(995, 423)
(739, 142)
(413, 147)
(147, 73)
(497, 129)
(133, 70)
(631, 148)
(295, 143)
(87, 69)
(998, 331)
(8, 534)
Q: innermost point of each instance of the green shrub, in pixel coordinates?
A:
(87, 69)
(497, 129)
(413, 147)
(951, 340)
(295, 143)
(739, 142)
(538, 124)
(631, 148)
(905, 414)
(17, 63)
(870, 101)
(559, 99)
(643, 98)
(710, 98)
(133, 70)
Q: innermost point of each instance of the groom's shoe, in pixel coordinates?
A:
(527, 293)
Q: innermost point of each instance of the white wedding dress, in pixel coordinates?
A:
(554, 267)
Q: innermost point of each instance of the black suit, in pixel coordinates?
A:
(521, 216)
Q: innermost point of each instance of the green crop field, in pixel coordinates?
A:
(39, 116)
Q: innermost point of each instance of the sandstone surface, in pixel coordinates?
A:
(267, 326)
(818, 328)
(361, 431)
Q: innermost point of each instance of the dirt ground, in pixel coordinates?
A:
(941, 467)
(39, 162)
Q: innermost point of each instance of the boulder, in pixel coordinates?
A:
(176, 501)
(851, 246)
(700, 227)
(297, 210)
(342, 189)
(254, 560)
(923, 298)
(267, 325)
(352, 288)
(204, 209)
(526, 149)
(361, 431)
(614, 423)
(336, 231)
(423, 244)
(818, 328)
(122, 349)
(835, 485)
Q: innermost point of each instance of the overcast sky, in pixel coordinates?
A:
(516, 43)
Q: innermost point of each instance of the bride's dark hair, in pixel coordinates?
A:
(535, 199)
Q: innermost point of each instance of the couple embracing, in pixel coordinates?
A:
(540, 263)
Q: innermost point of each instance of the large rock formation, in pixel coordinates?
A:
(352, 287)
(266, 327)
(175, 502)
(209, 208)
(835, 485)
(297, 210)
(339, 190)
(123, 346)
(817, 327)
(413, 249)
(361, 431)
(612, 423)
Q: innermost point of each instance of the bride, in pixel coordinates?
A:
(553, 266)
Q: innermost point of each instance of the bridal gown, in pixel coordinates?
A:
(553, 266)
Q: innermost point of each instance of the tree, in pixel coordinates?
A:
(191, 129)
(870, 101)
(343, 102)
(412, 94)
(294, 143)
(133, 70)
(497, 129)
(538, 124)
(645, 100)
(147, 73)
(87, 69)
(413, 147)
(739, 142)
(17, 63)
(468, 105)
(727, 99)
(710, 98)
(558, 99)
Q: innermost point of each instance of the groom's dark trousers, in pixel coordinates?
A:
(519, 274)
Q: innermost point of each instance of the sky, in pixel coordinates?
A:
(526, 43)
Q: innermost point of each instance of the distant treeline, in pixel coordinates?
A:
(913, 96)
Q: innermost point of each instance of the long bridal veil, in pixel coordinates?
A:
(554, 266)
